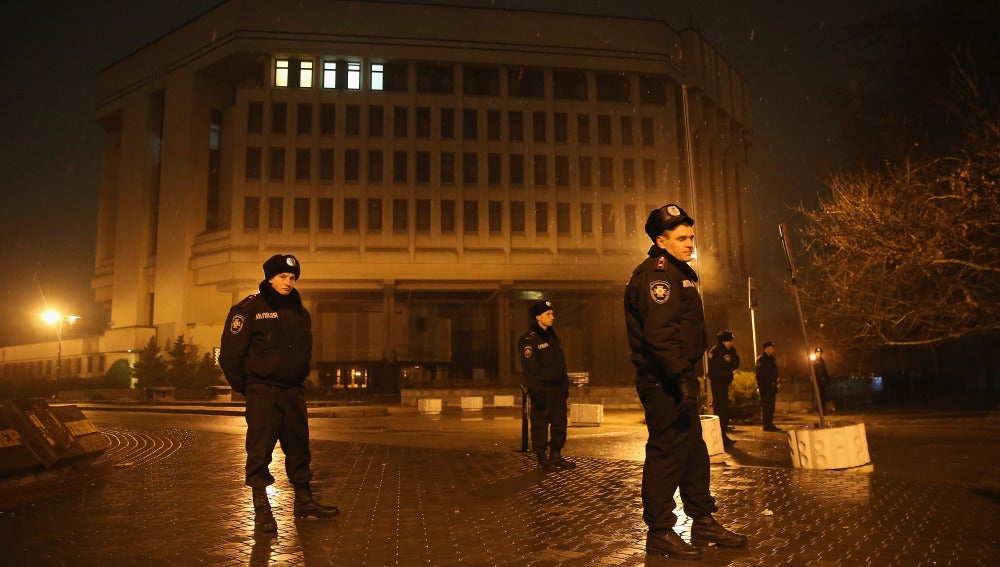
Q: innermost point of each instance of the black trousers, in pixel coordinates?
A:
(548, 415)
(720, 403)
(277, 414)
(767, 400)
(676, 455)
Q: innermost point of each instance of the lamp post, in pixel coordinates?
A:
(56, 319)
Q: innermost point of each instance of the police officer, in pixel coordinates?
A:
(767, 385)
(266, 355)
(666, 334)
(722, 362)
(548, 386)
(822, 376)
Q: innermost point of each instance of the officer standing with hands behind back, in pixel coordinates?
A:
(722, 362)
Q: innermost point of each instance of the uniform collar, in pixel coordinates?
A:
(275, 299)
(656, 252)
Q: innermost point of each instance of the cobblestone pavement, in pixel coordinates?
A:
(174, 496)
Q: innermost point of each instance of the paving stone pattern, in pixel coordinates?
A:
(176, 497)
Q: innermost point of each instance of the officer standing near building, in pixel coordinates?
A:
(767, 385)
(666, 334)
(722, 362)
(266, 356)
(548, 386)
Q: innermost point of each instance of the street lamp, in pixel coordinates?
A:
(56, 319)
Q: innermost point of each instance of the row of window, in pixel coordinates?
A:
(446, 217)
(565, 170)
(70, 366)
(476, 80)
(445, 118)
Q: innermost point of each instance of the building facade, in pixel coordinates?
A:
(435, 169)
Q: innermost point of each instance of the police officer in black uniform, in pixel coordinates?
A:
(722, 362)
(266, 356)
(767, 385)
(548, 386)
(666, 334)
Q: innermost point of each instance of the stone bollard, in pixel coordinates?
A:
(429, 405)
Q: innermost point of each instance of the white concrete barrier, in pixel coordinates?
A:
(839, 447)
(586, 414)
(472, 403)
(503, 401)
(429, 405)
(711, 433)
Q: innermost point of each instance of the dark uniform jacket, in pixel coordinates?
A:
(542, 357)
(267, 339)
(767, 373)
(722, 362)
(664, 318)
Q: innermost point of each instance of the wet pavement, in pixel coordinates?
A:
(454, 490)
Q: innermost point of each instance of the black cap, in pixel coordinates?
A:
(725, 335)
(539, 307)
(768, 343)
(281, 264)
(667, 217)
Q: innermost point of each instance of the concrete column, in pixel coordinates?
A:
(503, 335)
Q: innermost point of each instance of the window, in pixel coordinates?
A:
(303, 119)
(303, 164)
(515, 123)
(652, 90)
(493, 169)
(562, 218)
(329, 74)
(604, 129)
(395, 77)
(470, 168)
(646, 132)
(562, 171)
(374, 215)
(447, 167)
(423, 122)
(447, 216)
(470, 216)
(253, 163)
(281, 73)
(560, 127)
(483, 81)
(628, 173)
(279, 117)
(583, 128)
(375, 116)
(376, 76)
(325, 213)
(439, 79)
(251, 213)
(326, 164)
(586, 218)
(538, 126)
(493, 124)
(626, 130)
(255, 117)
(630, 220)
(400, 116)
(606, 172)
(613, 87)
(516, 169)
(277, 164)
(608, 218)
(352, 165)
(306, 74)
(423, 167)
(586, 178)
(375, 166)
(541, 218)
(400, 214)
(327, 119)
(351, 214)
(447, 123)
(569, 85)
(275, 212)
(399, 166)
(353, 118)
(353, 75)
(470, 124)
(423, 215)
(525, 82)
(541, 170)
(649, 174)
(301, 213)
(517, 217)
(496, 216)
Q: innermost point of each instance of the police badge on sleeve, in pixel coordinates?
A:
(659, 291)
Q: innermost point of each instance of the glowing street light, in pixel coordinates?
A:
(56, 319)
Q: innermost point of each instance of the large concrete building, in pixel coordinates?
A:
(434, 168)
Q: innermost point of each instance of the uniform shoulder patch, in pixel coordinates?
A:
(236, 324)
(527, 352)
(659, 291)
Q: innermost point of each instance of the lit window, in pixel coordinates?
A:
(306, 74)
(329, 74)
(377, 76)
(281, 73)
(353, 76)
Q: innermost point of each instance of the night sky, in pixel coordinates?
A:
(789, 51)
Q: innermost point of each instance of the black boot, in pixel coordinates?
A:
(557, 461)
(707, 529)
(543, 462)
(263, 519)
(307, 506)
(670, 544)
